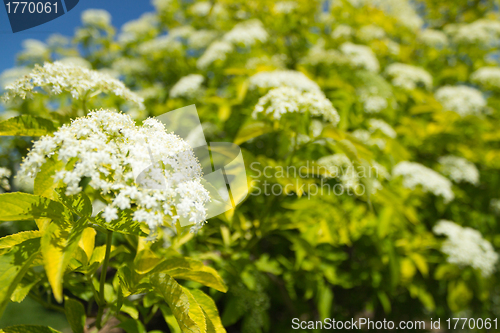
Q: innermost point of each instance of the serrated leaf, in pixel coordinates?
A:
(132, 326)
(176, 299)
(30, 329)
(15, 239)
(79, 203)
(26, 125)
(145, 261)
(44, 181)
(252, 130)
(75, 313)
(124, 224)
(57, 245)
(208, 306)
(24, 287)
(13, 266)
(23, 206)
(195, 311)
(193, 270)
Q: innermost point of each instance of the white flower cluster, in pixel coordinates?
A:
(342, 31)
(374, 104)
(130, 66)
(136, 29)
(34, 51)
(319, 55)
(285, 7)
(247, 33)
(483, 32)
(465, 246)
(409, 77)
(433, 38)
(164, 43)
(488, 77)
(218, 50)
(203, 8)
(96, 18)
(58, 77)
(11, 75)
(283, 100)
(415, 174)
(495, 205)
(382, 126)
(109, 149)
(402, 10)
(188, 86)
(459, 169)
(370, 32)
(283, 78)
(461, 99)
(340, 166)
(365, 137)
(201, 38)
(4, 179)
(360, 56)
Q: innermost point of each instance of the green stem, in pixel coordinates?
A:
(102, 305)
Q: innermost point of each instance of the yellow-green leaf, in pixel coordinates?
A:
(26, 125)
(15, 239)
(193, 270)
(208, 306)
(75, 313)
(13, 266)
(176, 299)
(251, 130)
(20, 206)
(58, 245)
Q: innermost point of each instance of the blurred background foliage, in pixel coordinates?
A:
(297, 255)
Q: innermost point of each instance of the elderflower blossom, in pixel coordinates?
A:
(136, 29)
(483, 32)
(409, 77)
(247, 33)
(201, 38)
(4, 178)
(374, 104)
(130, 66)
(285, 7)
(365, 137)
(382, 126)
(284, 100)
(317, 55)
(360, 56)
(433, 38)
(342, 31)
(487, 76)
(283, 78)
(96, 18)
(495, 205)
(58, 77)
(34, 51)
(465, 246)
(370, 32)
(461, 99)
(109, 149)
(339, 166)
(203, 8)
(165, 43)
(188, 86)
(218, 50)
(459, 169)
(11, 75)
(415, 174)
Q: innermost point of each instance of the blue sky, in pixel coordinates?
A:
(121, 11)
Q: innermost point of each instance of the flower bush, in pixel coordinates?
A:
(366, 128)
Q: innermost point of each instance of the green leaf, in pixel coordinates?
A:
(29, 329)
(132, 326)
(252, 130)
(23, 206)
(79, 204)
(176, 299)
(24, 287)
(75, 313)
(9, 241)
(44, 182)
(209, 308)
(13, 266)
(145, 261)
(58, 245)
(26, 125)
(193, 270)
(124, 224)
